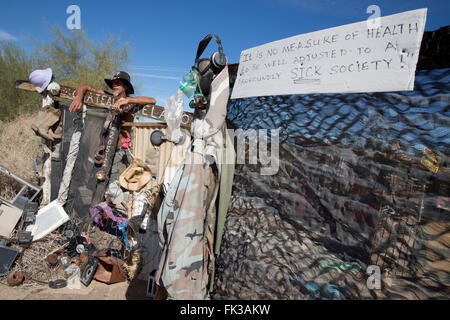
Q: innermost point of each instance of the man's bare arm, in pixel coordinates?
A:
(136, 100)
(78, 101)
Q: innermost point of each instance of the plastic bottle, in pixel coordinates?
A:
(144, 223)
(73, 277)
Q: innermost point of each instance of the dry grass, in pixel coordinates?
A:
(32, 261)
(19, 147)
(8, 187)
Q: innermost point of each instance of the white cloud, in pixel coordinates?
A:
(6, 36)
(157, 68)
(150, 75)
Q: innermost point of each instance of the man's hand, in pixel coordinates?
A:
(76, 104)
(119, 103)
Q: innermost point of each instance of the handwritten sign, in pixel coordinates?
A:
(352, 58)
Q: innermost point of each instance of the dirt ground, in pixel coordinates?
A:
(135, 290)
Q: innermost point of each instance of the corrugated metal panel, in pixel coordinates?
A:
(176, 158)
(164, 160)
(144, 150)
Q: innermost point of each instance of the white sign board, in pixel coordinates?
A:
(353, 58)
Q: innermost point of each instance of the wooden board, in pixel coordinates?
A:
(106, 101)
(9, 217)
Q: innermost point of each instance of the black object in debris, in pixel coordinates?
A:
(156, 138)
(29, 212)
(151, 285)
(24, 237)
(57, 284)
(69, 230)
(135, 222)
(31, 207)
(7, 257)
(69, 234)
(88, 270)
(28, 218)
(74, 242)
(112, 227)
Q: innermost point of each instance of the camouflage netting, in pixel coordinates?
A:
(363, 180)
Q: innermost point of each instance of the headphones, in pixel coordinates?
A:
(208, 69)
(217, 61)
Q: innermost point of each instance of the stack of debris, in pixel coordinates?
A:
(95, 188)
(49, 234)
(43, 247)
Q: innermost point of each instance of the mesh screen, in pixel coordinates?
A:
(363, 182)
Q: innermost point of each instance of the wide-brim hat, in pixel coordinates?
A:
(136, 176)
(41, 78)
(125, 77)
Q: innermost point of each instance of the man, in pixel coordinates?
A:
(122, 88)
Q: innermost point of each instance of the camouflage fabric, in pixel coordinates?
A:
(187, 218)
(186, 223)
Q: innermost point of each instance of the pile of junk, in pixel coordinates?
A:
(42, 245)
(153, 208)
(57, 233)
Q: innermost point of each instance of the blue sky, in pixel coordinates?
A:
(164, 35)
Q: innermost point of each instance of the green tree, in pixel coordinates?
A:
(15, 64)
(76, 59)
(73, 58)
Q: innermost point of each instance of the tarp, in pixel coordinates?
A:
(188, 213)
(363, 181)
